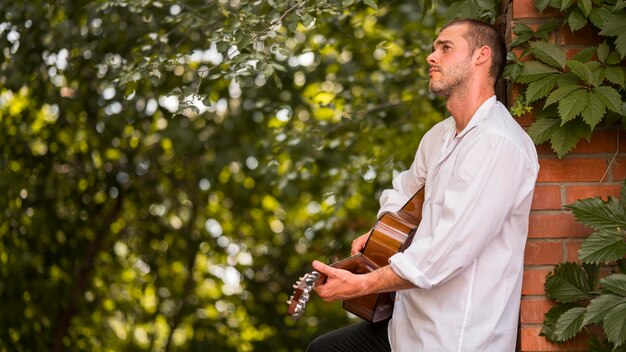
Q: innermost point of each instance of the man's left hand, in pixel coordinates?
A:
(339, 284)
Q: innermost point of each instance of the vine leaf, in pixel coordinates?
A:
(610, 97)
(541, 130)
(615, 324)
(615, 74)
(576, 20)
(585, 7)
(541, 5)
(549, 53)
(600, 214)
(572, 105)
(541, 88)
(594, 110)
(569, 324)
(602, 247)
(580, 70)
(561, 93)
(614, 25)
(567, 136)
(600, 306)
(567, 283)
(551, 317)
(615, 283)
(535, 70)
(603, 51)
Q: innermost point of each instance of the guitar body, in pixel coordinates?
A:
(391, 234)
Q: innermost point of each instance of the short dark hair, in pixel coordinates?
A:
(481, 34)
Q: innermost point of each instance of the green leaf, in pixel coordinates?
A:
(597, 345)
(541, 130)
(594, 110)
(599, 214)
(580, 70)
(566, 4)
(567, 136)
(615, 74)
(567, 283)
(576, 20)
(614, 25)
(549, 53)
(615, 325)
(541, 5)
(520, 29)
(561, 93)
(615, 283)
(600, 306)
(603, 247)
(572, 105)
(569, 323)
(610, 97)
(551, 317)
(371, 3)
(599, 16)
(585, 55)
(585, 7)
(541, 88)
(603, 51)
(620, 44)
(534, 70)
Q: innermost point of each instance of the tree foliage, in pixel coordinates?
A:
(168, 169)
(584, 299)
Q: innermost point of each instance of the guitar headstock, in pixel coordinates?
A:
(302, 290)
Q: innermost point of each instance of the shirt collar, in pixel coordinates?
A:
(479, 116)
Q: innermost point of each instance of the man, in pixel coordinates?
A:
(459, 282)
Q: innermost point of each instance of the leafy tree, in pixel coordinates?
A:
(168, 169)
(584, 299)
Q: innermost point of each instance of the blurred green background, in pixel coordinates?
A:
(168, 169)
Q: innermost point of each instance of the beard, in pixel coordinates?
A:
(453, 80)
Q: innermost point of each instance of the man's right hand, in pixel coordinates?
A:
(359, 243)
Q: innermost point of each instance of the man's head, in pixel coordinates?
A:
(480, 34)
(462, 44)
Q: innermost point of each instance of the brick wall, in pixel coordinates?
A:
(594, 168)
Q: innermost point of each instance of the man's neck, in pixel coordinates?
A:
(464, 104)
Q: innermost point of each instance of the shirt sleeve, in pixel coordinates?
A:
(478, 200)
(406, 183)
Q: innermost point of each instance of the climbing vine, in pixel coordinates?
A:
(570, 97)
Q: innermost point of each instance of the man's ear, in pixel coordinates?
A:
(484, 55)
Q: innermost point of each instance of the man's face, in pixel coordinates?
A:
(449, 62)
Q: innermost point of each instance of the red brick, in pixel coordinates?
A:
(572, 250)
(534, 282)
(574, 193)
(547, 197)
(601, 142)
(619, 169)
(543, 253)
(556, 226)
(533, 310)
(622, 141)
(585, 35)
(532, 342)
(559, 170)
(527, 9)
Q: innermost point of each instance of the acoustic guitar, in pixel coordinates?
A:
(392, 233)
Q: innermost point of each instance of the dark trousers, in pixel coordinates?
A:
(360, 337)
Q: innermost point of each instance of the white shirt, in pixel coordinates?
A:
(468, 252)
